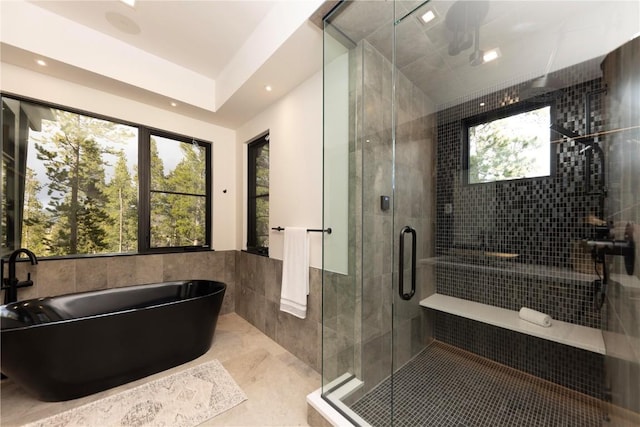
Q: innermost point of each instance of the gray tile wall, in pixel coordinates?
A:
(415, 136)
(258, 286)
(375, 234)
(57, 277)
(340, 349)
(372, 142)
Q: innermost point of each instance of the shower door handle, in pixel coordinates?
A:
(406, 229)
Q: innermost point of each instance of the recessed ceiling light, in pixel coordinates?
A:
(428, 16)
(41, 62)
(268, 88)
(122, 23)
(131, 3)
(174, 104)
(482, 104)
(492, 54)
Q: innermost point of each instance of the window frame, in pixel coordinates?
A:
(501, 113)
(144, 180)
(252, 148)
(144, 184)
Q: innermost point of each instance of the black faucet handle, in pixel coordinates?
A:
(602, 232)
(25, 283)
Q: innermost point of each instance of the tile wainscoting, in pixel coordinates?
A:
(53, 277)
(258, 285)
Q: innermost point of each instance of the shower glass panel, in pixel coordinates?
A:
(358, 192)
(476, 153)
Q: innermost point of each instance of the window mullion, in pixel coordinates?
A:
(144, 184)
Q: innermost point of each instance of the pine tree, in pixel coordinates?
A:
(506, 148)
(262, 203)
(122, 195)
(161, 228)
(187, 213)
(35, 221)
(74, 165)
(93, 218)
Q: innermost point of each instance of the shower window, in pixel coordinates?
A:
(506, 144)
(77, 184)
(258, 196)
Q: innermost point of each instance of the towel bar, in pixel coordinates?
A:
(314, 230)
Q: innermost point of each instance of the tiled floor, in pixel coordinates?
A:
(275, 382)
(444, 386)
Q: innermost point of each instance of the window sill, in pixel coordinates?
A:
(257, 252)
(180, 250)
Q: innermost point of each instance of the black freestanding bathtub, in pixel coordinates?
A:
(68, 346)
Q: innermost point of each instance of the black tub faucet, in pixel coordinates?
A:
(11, 283)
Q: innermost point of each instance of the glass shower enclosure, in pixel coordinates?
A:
(478, 157)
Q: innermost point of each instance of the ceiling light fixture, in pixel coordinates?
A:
(491, 55)
(131, 3)
(122, 23)
(268, 88)
(428, 16)
(41, 62)
(174, 104)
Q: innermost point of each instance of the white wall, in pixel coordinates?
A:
(295, 166)
(27, 83)
(34, 29)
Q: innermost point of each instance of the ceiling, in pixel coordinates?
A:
(212, 59)
(535, 38)
(200, 35)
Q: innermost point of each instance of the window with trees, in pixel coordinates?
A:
(507, 144)
(258, 196)
(77, 184)
(178, 192)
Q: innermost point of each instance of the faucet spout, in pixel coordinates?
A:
(11, 283)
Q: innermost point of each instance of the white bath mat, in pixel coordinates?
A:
(184, 399)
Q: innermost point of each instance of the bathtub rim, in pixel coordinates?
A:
(101, 315)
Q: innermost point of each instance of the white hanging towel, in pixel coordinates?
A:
(295, 272)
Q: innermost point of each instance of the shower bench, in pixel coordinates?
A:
(561, 332)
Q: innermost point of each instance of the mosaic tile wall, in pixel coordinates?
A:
(540, 219)
(574, 368)
(536, 218)
(513, 286)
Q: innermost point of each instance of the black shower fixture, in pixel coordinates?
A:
(590, 146)
(604, 244)
(543, 89)
(463, 21)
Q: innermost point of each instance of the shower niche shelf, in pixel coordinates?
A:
(510, 266)
(583, 337)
